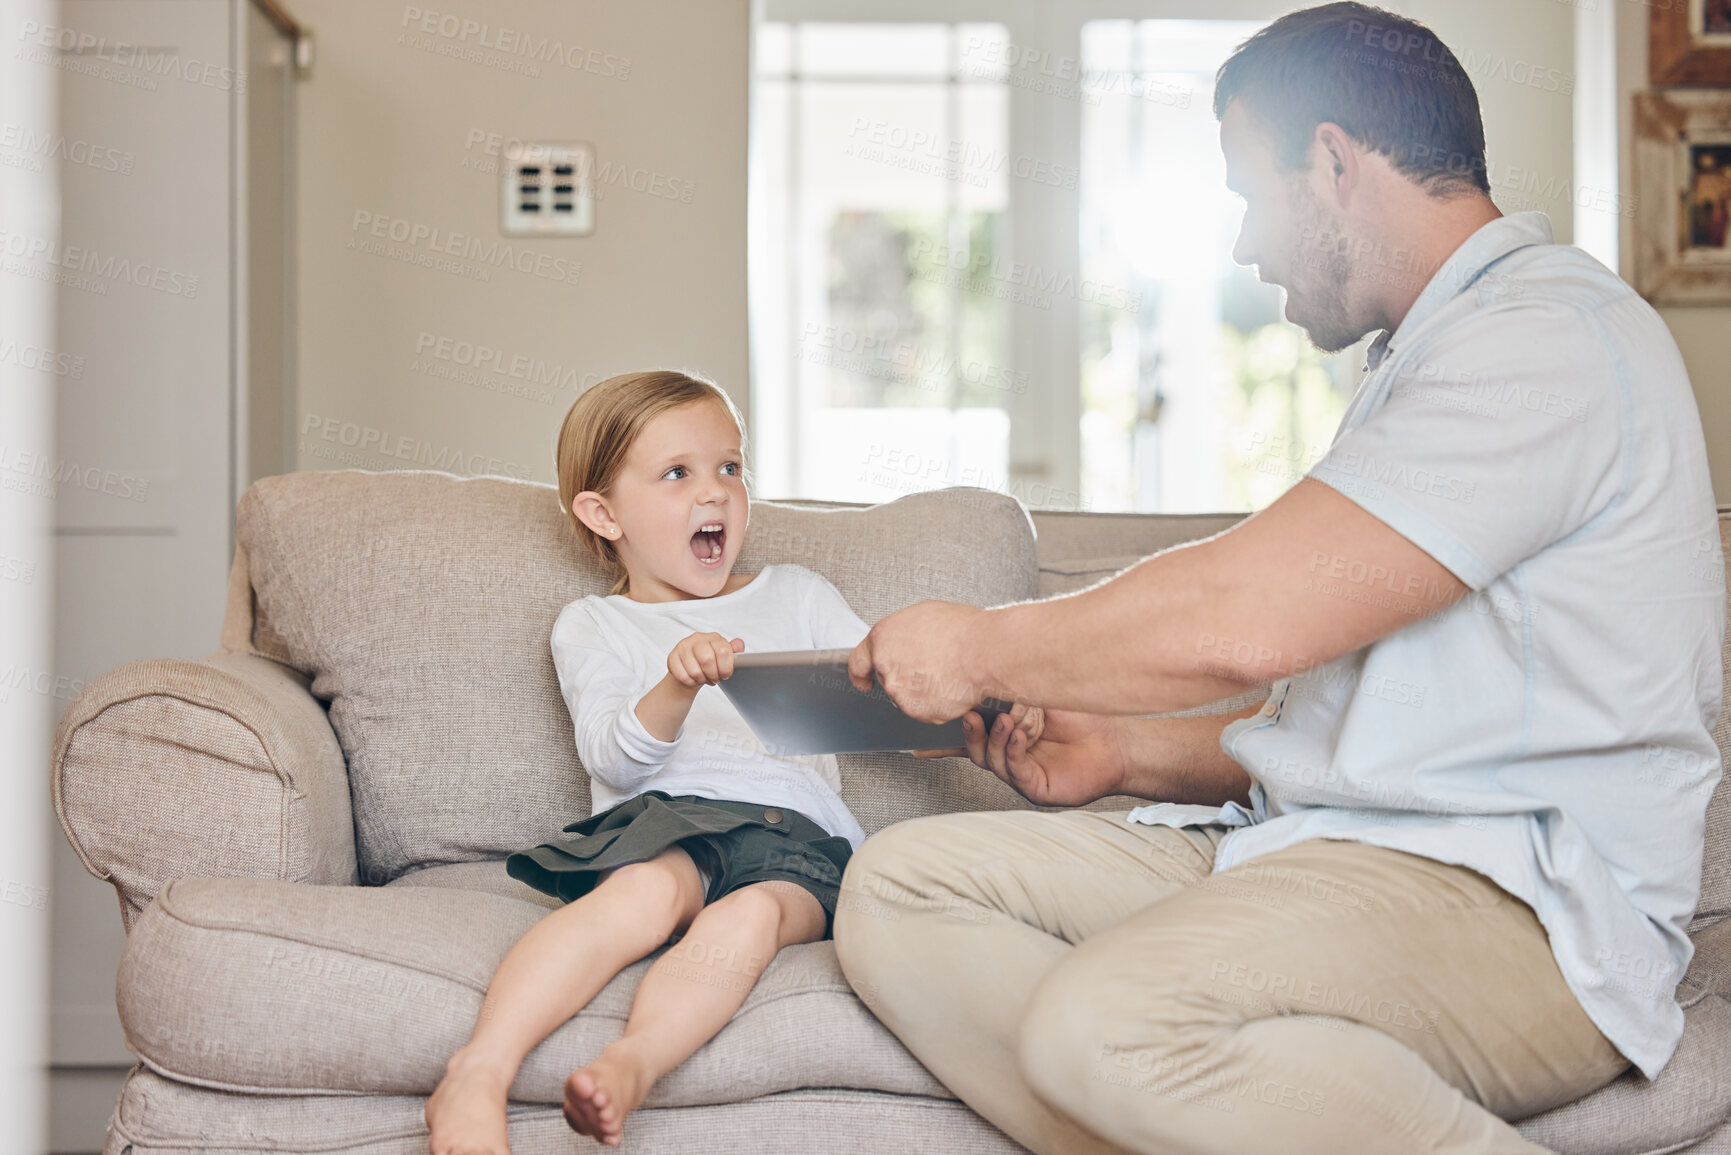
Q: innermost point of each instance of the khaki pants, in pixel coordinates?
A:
(1086, 985)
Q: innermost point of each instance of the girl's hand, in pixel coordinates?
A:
(703, 660)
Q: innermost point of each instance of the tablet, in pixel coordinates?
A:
(801, 702)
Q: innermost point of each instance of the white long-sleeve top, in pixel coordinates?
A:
(611, 651)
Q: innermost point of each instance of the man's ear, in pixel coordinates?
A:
(591, 509)
(1338, 155)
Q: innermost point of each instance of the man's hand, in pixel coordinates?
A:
(1051, 757)
(1070, 758)
(924, 658)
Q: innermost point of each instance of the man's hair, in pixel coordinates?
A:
(1387, 81)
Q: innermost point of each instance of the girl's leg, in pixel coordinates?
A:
(549, 975)
(687, 997)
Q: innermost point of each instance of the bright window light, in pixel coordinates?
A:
(1203, 398)
(879, 176)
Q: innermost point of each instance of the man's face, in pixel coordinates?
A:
(1289, 236)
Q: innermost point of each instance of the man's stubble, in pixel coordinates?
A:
(1318, 297)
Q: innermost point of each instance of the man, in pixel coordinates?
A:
(1440, 879)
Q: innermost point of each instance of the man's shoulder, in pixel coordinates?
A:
(1543, 309)
(1566, 278)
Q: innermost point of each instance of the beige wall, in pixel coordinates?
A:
(386, 128)
(387, 121)
(1521, 58)
(1703, 332)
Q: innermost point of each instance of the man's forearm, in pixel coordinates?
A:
(1148, 641)
(1309, 579)
(1180, 760)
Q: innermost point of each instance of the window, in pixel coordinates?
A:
(879, 198)
(1197, 394)
(999, 254)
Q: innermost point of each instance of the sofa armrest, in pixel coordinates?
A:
(223, 767)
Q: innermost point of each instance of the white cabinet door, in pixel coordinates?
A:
(142, 469)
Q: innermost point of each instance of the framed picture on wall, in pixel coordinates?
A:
(1689, 43)
(1683, 187)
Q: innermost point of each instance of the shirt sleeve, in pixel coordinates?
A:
(600, 690)
(834, 625)
(1502, 435)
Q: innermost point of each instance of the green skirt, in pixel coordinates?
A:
(734, 843)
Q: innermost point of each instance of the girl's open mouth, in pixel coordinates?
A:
(707, 543)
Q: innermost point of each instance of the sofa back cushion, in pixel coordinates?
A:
(420, 604)
(1715, 900)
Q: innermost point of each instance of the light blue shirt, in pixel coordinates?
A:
(1530, 426)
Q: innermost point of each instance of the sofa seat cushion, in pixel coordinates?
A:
(421, 604)
(266, 986)
(1689, 1100)
(157, 1116)
(487, 876)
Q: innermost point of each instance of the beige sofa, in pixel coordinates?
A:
(306, 833)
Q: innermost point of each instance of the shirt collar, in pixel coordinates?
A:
(1490, 243)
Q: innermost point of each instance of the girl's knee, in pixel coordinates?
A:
(751, 910)
(768, 915)
(654, 890)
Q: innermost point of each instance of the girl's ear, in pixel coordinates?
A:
(591, 509)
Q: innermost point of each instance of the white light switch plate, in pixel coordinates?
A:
(548, 190)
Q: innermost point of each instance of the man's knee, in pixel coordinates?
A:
(1097, 1027)
(902, 871)
(1058, 1043)
(1071, 1043)
(904, 865)
(868, 908)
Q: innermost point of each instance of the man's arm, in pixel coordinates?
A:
(1305, 581)
(1067, 758)
(1180, 760)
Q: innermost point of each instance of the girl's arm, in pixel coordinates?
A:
(663, 709)
(623, 738)
(598, 687)
(697, 661)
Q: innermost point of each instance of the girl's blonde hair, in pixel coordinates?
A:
(602, 426)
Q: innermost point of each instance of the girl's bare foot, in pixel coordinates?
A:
(466, 1113)
(599, 1096)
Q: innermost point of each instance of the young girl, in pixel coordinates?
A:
(699, 834)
